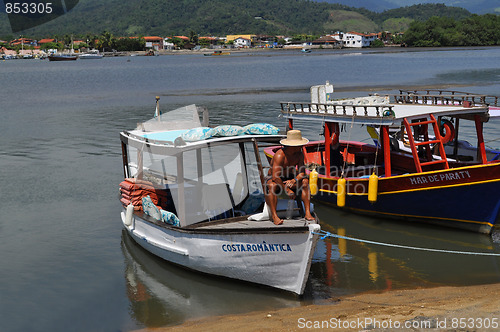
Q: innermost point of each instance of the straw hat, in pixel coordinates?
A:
(294, 138)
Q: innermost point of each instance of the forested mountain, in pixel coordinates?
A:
(474, 6)
(221, 17)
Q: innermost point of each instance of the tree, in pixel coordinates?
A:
(178, 42)
(193, 37)
(377, 43)
(105, 41)
(91, 40)
(442, 31)
(129, 44)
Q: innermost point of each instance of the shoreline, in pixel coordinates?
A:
(445, 307)
(297, 50)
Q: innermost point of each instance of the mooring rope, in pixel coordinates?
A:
(325, 234)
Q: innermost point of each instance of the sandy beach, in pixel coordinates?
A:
(472, 308)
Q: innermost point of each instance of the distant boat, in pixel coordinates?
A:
(93, 54)
(62, 57)
(217, 53)
(306, 50)
(151, 53)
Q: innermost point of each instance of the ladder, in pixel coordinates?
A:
(423, 123)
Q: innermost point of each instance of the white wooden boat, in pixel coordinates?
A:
(207, 190)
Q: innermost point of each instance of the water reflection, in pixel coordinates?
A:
(344, 266)
(162, 294)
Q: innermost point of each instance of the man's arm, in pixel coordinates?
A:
(301, 168)
(277, 168)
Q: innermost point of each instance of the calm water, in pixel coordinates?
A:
(67, 265)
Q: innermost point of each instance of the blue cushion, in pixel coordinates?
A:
(197, 134)
(149, 208)
(169, 218)
(228, 130)
(261, 129)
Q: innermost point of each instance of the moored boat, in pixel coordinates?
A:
(62, 57)
(217, 53)
(426, 182)
(193, 196)
(91, 55)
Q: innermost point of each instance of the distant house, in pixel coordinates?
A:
(46, 41)
(356, 39)
(167, 44)
(154, 42)
(23, 41)
(384, 36)
(328, 40)
(242, 42)
(183, 38)
(210, 42)
(5, 51)
(233, 37)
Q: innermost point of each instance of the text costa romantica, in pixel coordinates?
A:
(256, 247)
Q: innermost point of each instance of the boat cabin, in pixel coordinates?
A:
(198, 180)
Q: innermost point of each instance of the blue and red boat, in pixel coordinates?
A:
(416, 169)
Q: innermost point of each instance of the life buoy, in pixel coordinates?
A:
(447, 131)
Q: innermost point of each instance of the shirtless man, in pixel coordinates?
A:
(288, 174)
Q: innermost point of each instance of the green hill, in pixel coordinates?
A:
(218, 17)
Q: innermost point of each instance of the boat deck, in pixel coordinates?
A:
(254, 224)
(236, 225)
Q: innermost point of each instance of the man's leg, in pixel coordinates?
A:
(272, 201)
(306, 199)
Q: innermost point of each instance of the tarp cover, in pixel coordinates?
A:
(182, 118)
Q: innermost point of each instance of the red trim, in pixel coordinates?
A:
(387, 151)
(328, 143)
(480, 138)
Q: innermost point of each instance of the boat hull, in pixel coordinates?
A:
(465, 197)
(62, 58)
(275, 258)
(90, 57)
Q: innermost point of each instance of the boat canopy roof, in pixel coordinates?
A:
(169, 148)
(388, 109)
(164, 134)
(374, 114)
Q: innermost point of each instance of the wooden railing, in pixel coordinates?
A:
(445, 97)
(377, 111)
